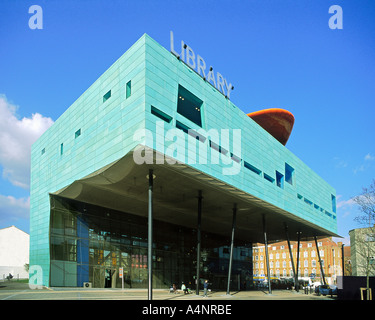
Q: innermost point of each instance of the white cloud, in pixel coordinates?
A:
(16, 138)
(13, 207)
(369, 157)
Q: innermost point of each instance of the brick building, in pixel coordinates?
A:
(281, 264)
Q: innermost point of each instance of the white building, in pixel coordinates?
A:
(14, 252)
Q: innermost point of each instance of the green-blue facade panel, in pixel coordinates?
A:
(107, 130)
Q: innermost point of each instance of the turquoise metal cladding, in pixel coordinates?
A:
(106, 124)
(309, 197)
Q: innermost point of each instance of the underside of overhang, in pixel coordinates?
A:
(123, 186)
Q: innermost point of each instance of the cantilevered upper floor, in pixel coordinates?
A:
(151, 110)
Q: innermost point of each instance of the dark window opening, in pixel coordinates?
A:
(182, 127)
(107, 96)
(268, 178)
(289, 173)
(333, 198)
(61, 148)
(189, 106)
(279, 180)
(160, 114)
(78, 133)
(128, 89)
(252, 168)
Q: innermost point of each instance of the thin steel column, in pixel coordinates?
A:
(343, 262)
(199, 239)
(290, 252)
(231, 246)
(267, 257)
(149, 245)
(320, 261)
(296, 274)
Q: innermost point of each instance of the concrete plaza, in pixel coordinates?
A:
(12, 290)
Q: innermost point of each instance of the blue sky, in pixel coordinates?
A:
(277, 53)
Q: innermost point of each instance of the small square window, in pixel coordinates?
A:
(189, 105)
(128, 89)
(107, 96)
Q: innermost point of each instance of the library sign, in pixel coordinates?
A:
(197, 63)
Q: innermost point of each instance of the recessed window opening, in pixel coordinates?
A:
(43, 150)
(107, 96)
(308, 201)
(77, 134)
(289, 174)
(160, 114)
(182, 127)
(268, 178)
(128, 89)
(333, 198)
(61, 149)
(279, 180)
(197, 135)
(189, 105)
(235, 158)
(252, 168)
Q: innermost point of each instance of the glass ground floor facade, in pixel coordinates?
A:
(90, 243)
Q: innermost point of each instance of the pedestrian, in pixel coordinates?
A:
(174, 288)
(183, 288)
(205, 287)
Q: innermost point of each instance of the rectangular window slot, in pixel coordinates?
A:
(299, 196)
(107, 96)
(43, 150)
(268, 178)
(333, 198)
(189, 105)
(308, 201)
(252, 168)
(279, 180)
(316, 206)
(289, 174)
(182, 127)
(214, 146)
(61, 149)
(197, 135)
(160, 114)
(128, 89)
(235, 158)
(77, 134)
(218, 148)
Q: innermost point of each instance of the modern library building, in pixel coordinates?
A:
(153, 174)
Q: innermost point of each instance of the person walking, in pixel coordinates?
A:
(205, 287)
(183, 288)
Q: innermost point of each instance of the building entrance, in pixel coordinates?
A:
(90, 244)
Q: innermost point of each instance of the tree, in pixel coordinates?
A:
(366, 237)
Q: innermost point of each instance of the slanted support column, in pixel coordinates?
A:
(199, 239)
(149, 237)
(267, 257)
(231, 247)
(320, 261)
(296, 274)
(290, 252)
